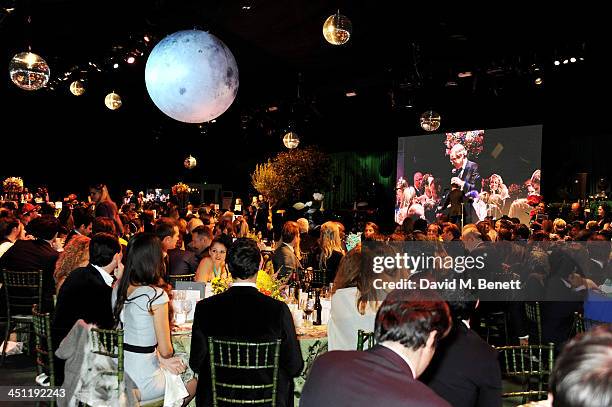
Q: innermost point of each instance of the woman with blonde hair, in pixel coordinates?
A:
(75, 255)
(331, 251)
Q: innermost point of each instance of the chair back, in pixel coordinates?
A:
(525, 363)
(44, 348)
(319, 278)
(532, 311)
(109, 342)
(180, 277)
(364, 337)
(235, 358)
(23, 290)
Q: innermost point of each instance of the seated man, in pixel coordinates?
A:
(464, 371)
(243, 313)
(86, 292)
(407, 328)
(285, 260)
(37, 254)
(581, 377)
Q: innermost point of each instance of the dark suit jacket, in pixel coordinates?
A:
(470, 176)
(31, 255)
(84, 295)
(376, 377)
(182, 262)
(464, 370)
(244, 313)
(454, 198)
(285, 260)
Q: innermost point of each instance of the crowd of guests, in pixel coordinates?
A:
(111, 266)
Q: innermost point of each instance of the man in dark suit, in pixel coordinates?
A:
(464, 371)
(284, 259)
(37, 254)
(243, 313)
(83, 222)
(407, 328)
(464, 170)
(86, 293)
(455, 200)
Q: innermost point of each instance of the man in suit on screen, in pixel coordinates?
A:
(464, 171)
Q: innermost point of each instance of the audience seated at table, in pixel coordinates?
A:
(409, 326)
(141, 308)
(243, 313)
(86, 292)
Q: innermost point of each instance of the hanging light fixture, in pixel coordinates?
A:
(77, 88)
(190, 162)
(113, 101)
(337, 29)
(291, 140)
(430, 121)
(29, 71)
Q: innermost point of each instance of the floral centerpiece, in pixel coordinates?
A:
(266, 284)
(472, 141)
(180, 189)
(13, 185)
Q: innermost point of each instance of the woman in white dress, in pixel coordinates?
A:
(140, 304)
(355, 301)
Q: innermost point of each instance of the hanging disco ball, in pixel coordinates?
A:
(112, 101)
(190, 162)
(29, 71)
(430, 121)
(77, 88)
(291, 140)
(337, 29)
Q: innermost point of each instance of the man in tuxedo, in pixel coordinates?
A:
(408, 326)
(284, 259)
(243, 313)
(455, 200)
(37, 254)
(464, 371)
(464, 172)
(86, 293)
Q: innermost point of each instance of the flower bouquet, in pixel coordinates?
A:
(266, 284)
(472, 140)
(13, 186)
(180, 189)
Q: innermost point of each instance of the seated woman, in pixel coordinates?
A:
(75, 255)
(330, 250)
(371, 231)
(214, 265)
(354, 299)
(140, 304)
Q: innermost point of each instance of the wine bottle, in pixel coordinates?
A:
(318, 308)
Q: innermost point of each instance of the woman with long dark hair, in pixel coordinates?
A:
(141, 307)
(105, 206)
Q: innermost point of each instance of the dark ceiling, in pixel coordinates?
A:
(401, 54)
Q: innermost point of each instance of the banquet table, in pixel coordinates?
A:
(313, 342)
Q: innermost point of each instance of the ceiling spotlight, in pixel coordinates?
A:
(582, 59)
(272, 109)
(131, 60)
(572, 60)
(565, 61)
(557, 63)
(351, 94)
(465, 74)
(146, 38)
(115, 65)
(538, 81)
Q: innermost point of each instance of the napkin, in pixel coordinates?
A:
(175, 390)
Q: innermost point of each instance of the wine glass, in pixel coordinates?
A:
(308, 310)
(187, 306)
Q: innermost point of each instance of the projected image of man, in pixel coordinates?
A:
(464, 172)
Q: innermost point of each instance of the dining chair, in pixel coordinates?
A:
(363, 337)
(180, 277)
(43, 345)
(534, 317)
(23, 289)
(230, 359)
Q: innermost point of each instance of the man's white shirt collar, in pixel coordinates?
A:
(108, 279)
(244, 285)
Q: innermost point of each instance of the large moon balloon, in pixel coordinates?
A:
(192, 76)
